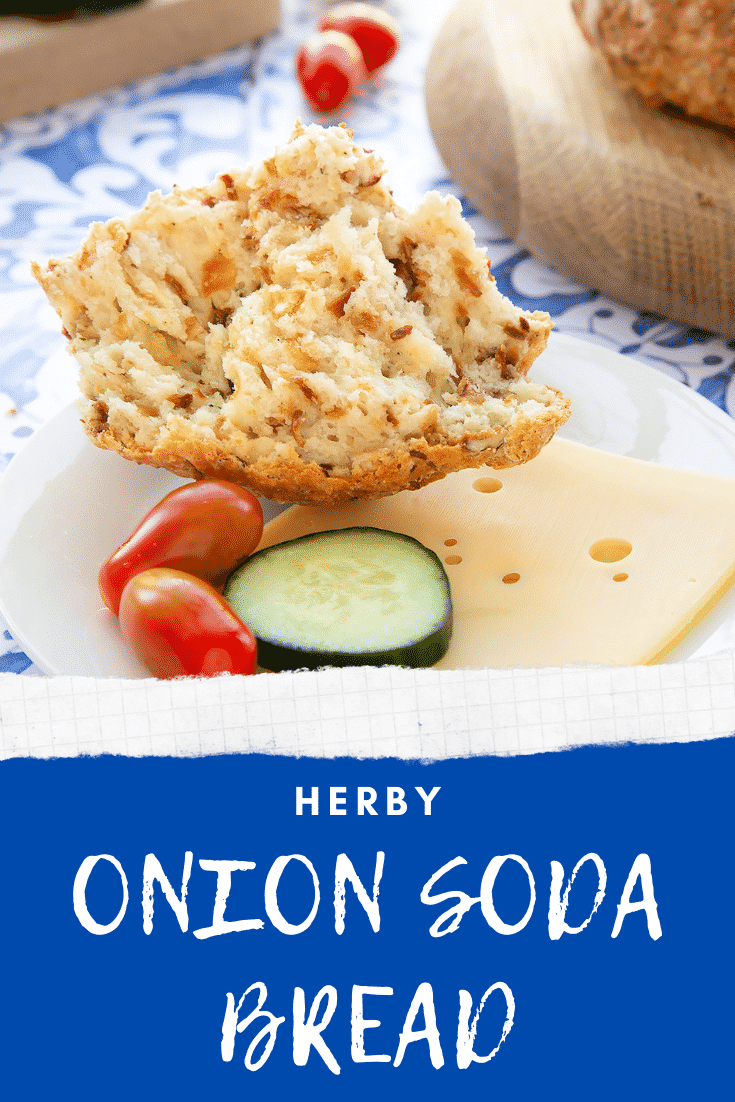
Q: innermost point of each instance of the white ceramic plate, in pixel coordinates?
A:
(65, 505)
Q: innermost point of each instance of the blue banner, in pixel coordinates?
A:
(552, 926)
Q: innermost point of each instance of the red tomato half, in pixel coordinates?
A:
(180, 625)
(205, 528)
(329, 67)
(374, 31)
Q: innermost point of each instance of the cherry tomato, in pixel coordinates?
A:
(330, 67)
(375, 32)
(180, 625)
(205, 528)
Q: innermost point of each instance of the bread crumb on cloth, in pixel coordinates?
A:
(292, 329)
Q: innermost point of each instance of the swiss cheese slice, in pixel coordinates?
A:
(579, 557)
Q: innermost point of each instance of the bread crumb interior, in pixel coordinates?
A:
(293, 328)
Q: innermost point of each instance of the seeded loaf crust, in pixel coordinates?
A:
(680, 52)
(292, 329)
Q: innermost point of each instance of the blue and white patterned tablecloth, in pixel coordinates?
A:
(100, 157)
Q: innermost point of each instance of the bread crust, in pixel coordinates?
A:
(679, 52)
(292, 329)
(378, 474)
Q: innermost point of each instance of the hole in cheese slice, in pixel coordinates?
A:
(680, 526)
(610, 550)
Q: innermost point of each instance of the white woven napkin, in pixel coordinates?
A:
(365, 712)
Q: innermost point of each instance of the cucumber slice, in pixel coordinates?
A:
(349, 597)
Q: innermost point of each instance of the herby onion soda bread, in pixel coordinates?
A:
(292, 329)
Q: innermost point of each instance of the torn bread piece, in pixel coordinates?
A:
(292, 329)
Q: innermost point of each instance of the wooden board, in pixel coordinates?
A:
(636, 203)
(46, 64)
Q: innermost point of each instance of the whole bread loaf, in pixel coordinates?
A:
(680, 52)
(292, 329)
